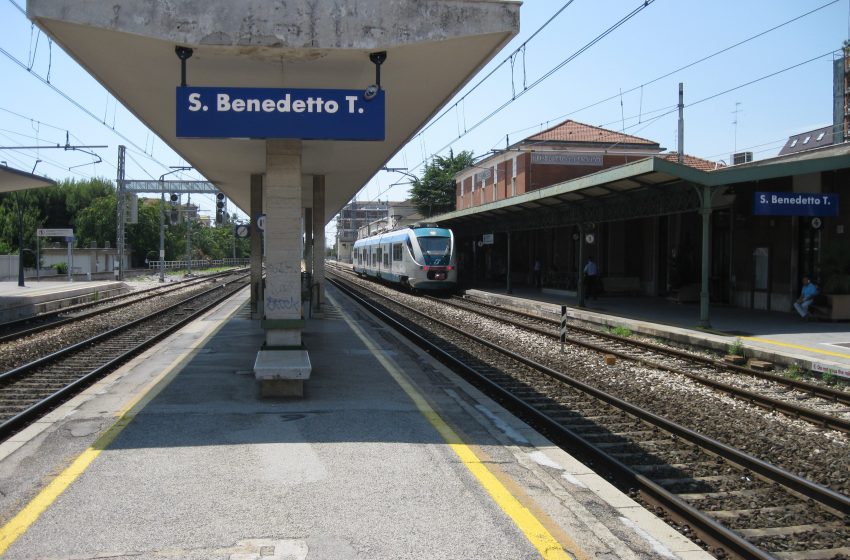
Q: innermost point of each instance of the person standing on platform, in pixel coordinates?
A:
(591, 273)
(536, 273)
(807, 296)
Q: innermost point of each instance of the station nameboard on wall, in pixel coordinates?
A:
(795, 204)
(307, 114)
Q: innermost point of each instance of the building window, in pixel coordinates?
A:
(806, 141)
(793, 143)
(820, 136)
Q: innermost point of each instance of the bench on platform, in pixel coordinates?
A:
(831, 307)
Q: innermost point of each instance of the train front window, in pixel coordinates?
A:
(434, 246)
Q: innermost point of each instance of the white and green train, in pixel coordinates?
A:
(421, 257)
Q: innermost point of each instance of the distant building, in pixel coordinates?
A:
(565, 151)
(399, 215)
(841, 98)
(808, 141)
(351, 218)
(85, 260)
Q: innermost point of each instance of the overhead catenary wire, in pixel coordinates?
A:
(548, 74)
(76, 104)
(506, 60)
(680, 68)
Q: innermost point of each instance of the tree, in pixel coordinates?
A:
(143, 236)
(434, 193)
(96, 223)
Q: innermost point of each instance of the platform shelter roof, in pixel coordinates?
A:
(433, 48)
(648, 187)
(16, 180)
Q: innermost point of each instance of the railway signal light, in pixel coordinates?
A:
(220, 202)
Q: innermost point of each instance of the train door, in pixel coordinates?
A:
(398, 265)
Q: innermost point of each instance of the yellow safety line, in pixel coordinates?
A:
(798, 347)
(532, 528)
(19, 524)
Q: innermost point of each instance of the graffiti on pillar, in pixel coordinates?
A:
(282, 268)
(283, 303)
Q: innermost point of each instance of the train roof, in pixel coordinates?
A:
(418, 230)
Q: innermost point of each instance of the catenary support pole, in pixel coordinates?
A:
(681, 157)
(122, 214)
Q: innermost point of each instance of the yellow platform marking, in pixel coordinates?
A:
(797, 346)
(19, 524)
(531, 527)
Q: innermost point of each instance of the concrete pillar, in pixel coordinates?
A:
(256, 246)
(308, 240)
(282, 365)
(319, 237)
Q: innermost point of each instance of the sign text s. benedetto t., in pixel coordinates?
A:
(307, 114)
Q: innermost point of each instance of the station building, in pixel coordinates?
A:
(656, 224)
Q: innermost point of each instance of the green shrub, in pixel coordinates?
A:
(793, 372)
(736, 348)
(61, 268)
(621, 331)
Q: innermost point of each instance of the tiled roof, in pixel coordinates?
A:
(572, 131)
(693, 161)
(809, 140)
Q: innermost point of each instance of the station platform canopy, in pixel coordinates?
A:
(16, 180)
(648, 187)
(433, 48)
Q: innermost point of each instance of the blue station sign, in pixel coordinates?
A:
(307, 114)
(795, 204)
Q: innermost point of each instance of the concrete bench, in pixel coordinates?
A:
(621, 284)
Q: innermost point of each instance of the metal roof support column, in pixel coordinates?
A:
(580, 288)
(319, 238)
(705, 210)
(509, 287)
(256, 247)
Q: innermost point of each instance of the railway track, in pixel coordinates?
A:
(33, 388)
(740, 505)
(823, 406)
(11, 330)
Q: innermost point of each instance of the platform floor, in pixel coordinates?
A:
(17, 302)
(388, 455)
(782, 338)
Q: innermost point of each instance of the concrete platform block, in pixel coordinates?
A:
(734, 359)
(761, 365)
(273, 388)
(282, 365)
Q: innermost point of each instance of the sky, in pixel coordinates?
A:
(750, 97)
